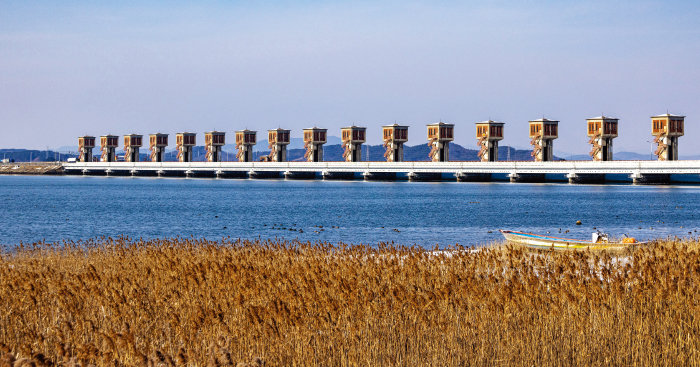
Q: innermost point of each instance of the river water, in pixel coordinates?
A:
(52, 208)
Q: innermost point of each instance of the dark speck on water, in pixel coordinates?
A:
(53, 208)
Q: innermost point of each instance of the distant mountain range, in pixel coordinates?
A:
(416, 153)
(622, 156)
(295, 152)
(294, 143)
(332, 151)
(625, 156)
(29, 155)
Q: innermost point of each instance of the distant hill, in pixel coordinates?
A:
(416, 153)
(262, 145)
(29, 155)
(331, 152)
(620, 156)
(72, 149)
(295, 143)
(631, 156)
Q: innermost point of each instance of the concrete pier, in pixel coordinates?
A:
(265, 174)
(666, 130)
(542, 134)
(601, 131)
(230, 173)
(245, 140)
(585, 178)
(379, 176)
(342, 175)
(184, 144)
(201, 174)
(132, 143)
(147, 173)
(439, 137)
(157, 144)
(108, 145)
(277, 139)
(213, 143)
(425, 176)
(473, 177)
(526, 177)
(488, 134)
(651, 178)
(303, 175)
(394, 137)
(314, 138)
(169, 173)
(85, 146)
(352, 139)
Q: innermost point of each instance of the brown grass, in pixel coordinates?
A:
(190, 302)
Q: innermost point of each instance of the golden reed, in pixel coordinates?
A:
(177, 302)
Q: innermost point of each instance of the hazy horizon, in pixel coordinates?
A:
(69, 69)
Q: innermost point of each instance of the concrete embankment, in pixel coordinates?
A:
(25, 168)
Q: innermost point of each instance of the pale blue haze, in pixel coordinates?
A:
(70, 68)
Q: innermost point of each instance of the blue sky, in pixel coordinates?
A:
(70, 68)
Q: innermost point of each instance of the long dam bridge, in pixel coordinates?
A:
(641, 172)
(666, 129)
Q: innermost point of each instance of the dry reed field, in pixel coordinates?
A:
(196, 302)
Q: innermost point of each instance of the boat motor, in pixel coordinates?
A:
(599, 236)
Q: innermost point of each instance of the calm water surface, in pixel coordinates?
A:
(37, 208)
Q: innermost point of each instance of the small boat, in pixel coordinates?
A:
(599, 241)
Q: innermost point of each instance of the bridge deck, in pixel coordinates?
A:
(574, 171)
(562, 167)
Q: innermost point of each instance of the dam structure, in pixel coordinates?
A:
(640, 172)
(85, 146)
(132, 143)
(600, 169)
(184, 143)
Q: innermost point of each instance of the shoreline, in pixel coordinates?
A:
(27, 168)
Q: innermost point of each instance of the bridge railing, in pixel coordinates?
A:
(628, 167)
